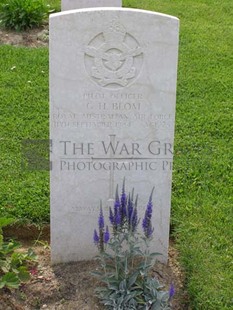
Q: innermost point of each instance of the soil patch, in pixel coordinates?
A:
(71, 286)
(37, 37)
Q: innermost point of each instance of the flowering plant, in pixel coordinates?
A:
(124, 266)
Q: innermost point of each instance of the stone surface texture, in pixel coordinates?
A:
(112, 115)
(81, 4)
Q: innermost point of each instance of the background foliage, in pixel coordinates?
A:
(13, 264)
(23, 14)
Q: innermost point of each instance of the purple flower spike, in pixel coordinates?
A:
(123, 200)
(115, 217)
(117, 206)
(96, 238)
(101, 219)
(111, 216)
(134, 219)
(118, 218)
(129, 209)
(171, 291)
(106, 235)
(146, 223)
(147, 227)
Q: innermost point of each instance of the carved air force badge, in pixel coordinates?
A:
(113, 58)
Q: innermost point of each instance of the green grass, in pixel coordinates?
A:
(54, 4)
(24, 115)
(202, 202)
(202, 199)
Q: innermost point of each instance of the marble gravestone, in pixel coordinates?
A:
(112, 114)
(80, 4)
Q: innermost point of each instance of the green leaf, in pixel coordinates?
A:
(113, 287)
(133, 279)
(6, 221)
(155, 254)
(106, 255)
(96, 273)
(5, 265)
(10, 246)
(138, 285)
(31, 254)
(11, 280)
(23, 274)
(112, 267)
(16, 260)
(1, 239)
(164, 296)
(122, 285)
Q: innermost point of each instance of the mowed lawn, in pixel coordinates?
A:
(202, 197)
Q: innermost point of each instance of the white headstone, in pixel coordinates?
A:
(80, 4)
(113, 78)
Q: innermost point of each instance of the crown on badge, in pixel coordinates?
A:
(114, 32)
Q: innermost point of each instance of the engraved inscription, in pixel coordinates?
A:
(113, 58)
(122, 118)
